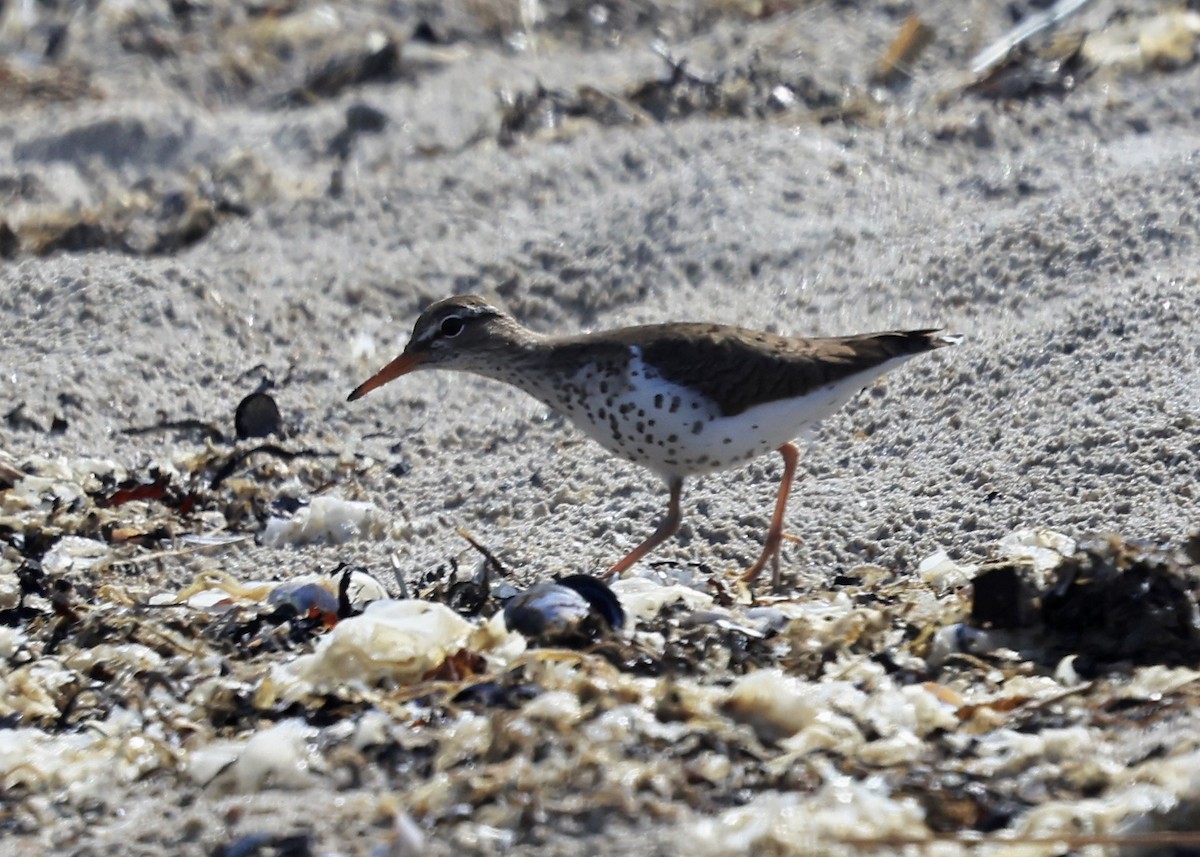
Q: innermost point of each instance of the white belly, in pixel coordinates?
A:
(676, 432)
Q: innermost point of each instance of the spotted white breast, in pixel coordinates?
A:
(631, 410)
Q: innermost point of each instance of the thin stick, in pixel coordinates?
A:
(997, 51)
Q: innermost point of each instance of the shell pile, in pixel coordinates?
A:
(1047, 695)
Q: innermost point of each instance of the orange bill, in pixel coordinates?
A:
(402, 365)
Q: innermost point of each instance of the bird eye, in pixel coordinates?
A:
(452, 326)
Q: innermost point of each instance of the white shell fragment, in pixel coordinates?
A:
(395, 641)
(1168, 39)
(328, 520)
(1043, 548)
(280, 756)
(943, 573)
(642, 598)
(74, 554)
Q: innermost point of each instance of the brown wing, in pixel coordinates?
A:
(740, 368)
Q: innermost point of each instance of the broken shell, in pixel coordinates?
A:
(547, 608)
(577, 607)
(643, 598)
(399, 641)
(358, 588)
(257, 415)
(327, 519)
(306, 599)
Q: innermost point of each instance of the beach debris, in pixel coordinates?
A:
(1051, 69)
(835, 808)
(350, 61)
(1108, 602)
(574, 610)
(239, 457)
(895, 66)
(10, 473)
(268, 845)
(257, 415)
(757, 89)
(102, 501)
(552, 111)
(398, 642)
(643, 598)
(1015, 67)
(1003, 596)
(274, 615)
(491, 562)
(985, 63)
(356, 588)
(1043, 549)
(133, 489)
(207, 430)
(74, 554)
(1167, 40)
(326, 520)
(943, 573)
(406, 838)
(240, 687)
(282, 756)
(309, 600)
(44, 84)
(1115, 602)
(142, 222)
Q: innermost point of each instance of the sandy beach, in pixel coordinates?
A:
(201, 200)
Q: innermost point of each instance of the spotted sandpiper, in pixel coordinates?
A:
(679, 399)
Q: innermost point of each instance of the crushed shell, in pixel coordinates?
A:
(868, 713)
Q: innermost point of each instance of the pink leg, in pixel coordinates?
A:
(666, 529)
(791, 457)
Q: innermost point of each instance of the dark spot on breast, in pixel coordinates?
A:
(676, 402)
(602, 413)
(658, 400)
(728, 440)
(697, 426)
(603, 386)
(640, 427)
